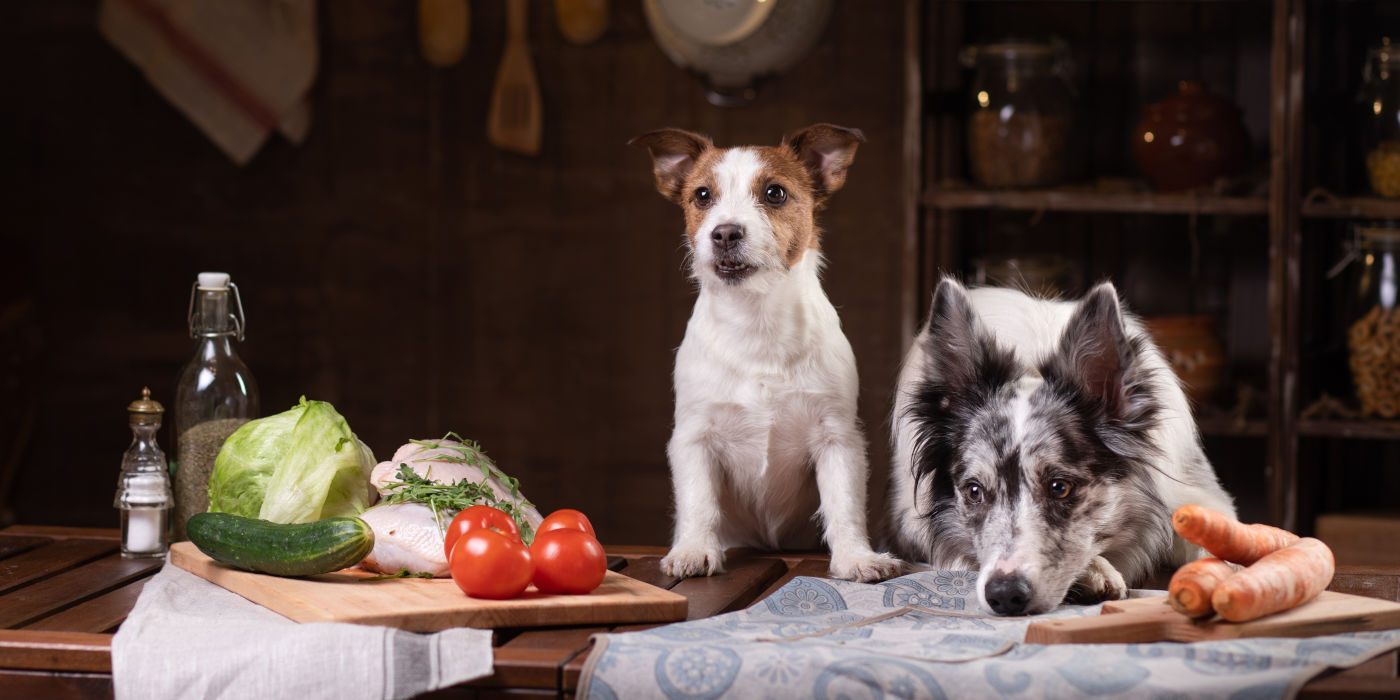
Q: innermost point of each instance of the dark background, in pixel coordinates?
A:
(396, 264)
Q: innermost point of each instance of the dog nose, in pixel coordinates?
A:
(727, 235)
(1008, 594)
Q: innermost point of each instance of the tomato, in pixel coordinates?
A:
(566, 518)
(568, 561)
(488, 564)
(476, 518)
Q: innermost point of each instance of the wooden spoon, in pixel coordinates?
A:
(443, 30)
(516, 120)
(582, 21)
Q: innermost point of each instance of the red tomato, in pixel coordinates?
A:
(488, 564)
(566, 518)
(568, 561)
(478, 517)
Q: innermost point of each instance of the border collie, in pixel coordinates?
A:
(1043, 444)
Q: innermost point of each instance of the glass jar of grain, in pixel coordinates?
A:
(1380, 105)
(1021, 114)
(1373, 337)
(214, 394)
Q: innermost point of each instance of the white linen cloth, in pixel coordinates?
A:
(189, 638)
(238, 69)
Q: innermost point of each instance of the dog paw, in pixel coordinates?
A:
(687, 561)
(865, 567)
(1098, 583)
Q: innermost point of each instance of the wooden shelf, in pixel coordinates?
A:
(1225, 426)
(1360, 428)
(1323, 205)
(1091, 198)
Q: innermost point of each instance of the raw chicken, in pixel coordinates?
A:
(435, 464)
(406, 536)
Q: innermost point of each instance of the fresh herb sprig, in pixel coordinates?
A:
(403, 573)
(451, 498)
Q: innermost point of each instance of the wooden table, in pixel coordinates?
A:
(64, 592)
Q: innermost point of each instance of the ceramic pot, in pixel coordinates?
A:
(1190, 139)
(1193, 350)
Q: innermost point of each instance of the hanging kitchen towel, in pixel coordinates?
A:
(238, 69)
(188, 638)
(922, 635)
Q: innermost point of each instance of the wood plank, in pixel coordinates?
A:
(11, 545)
(1373, 581)
(572, 644)
(79, 686)
(50, 559)
(731, 590)
(60, 532)
(524, 668)
(101, 614)
(421, 605)
(648, 570)
(56, 651)
(1140, 620)
(27, 604)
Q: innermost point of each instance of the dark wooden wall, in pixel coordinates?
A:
(397, 265)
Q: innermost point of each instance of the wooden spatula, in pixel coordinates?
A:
(515, 121)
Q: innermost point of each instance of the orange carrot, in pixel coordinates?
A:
(1285, 579)
(1226, 537)
(1192, 585)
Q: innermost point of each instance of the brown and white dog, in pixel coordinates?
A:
(765, 380)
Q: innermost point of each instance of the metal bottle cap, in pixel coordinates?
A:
(145, 410)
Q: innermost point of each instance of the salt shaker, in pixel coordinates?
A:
(144, 497)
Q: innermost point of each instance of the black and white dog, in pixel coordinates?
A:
(1043, 444)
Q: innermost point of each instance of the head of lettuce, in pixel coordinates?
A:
(298, 466)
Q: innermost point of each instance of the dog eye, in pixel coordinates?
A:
(972, 492)
(702, 197)
(1059, 488)
(775, 194)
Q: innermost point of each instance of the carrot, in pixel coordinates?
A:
(1285, 579)
(1192, 585)
(1226, 537)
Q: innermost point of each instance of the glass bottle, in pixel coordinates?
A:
(143, 489)
(1380, 105)
(214, 394)
(1373, 337)
(1021, 115)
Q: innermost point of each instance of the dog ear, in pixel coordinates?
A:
(826, 150)
(673, 154)
(1095, 345)
(953, 336)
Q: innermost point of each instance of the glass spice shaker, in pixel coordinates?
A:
(214, 395)
(143, 489)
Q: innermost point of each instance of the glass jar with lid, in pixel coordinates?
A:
(1021, 115)
(1373, 336)
(1380, 105)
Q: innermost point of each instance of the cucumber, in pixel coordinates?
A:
(299, 549)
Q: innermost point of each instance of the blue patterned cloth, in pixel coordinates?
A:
(922, 636)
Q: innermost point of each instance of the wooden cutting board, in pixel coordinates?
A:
(431, 605)
(1139, 620)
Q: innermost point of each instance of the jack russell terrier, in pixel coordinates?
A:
(765, 380)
